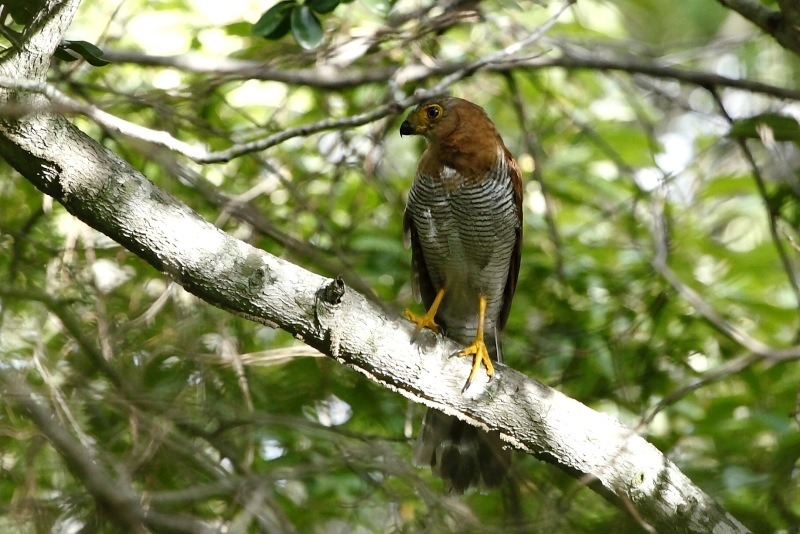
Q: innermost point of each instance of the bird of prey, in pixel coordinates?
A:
(463, 222)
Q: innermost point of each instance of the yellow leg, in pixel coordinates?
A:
(478, 347)
(427, 319)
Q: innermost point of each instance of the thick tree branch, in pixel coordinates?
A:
(106, 193)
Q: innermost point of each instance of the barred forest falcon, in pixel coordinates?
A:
(463, 222)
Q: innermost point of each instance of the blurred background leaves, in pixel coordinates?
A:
(218, 413)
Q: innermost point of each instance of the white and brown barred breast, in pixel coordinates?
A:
(467, 232)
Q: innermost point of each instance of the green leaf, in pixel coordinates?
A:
(306, 27)
(65, 55)
(22, 11)
(275, 23)
(88, 51)
(783, 128)
(322, 6)
(379, 6)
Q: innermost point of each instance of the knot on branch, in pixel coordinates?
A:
(329, 297)
(333, 292)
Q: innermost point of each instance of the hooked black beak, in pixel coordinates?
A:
(406, 128)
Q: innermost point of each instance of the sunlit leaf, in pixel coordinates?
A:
(240, 29)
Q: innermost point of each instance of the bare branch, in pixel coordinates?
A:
(110, 493)
(726, 369)
(772, 213)
(244, 211)
(749, 343)
(495, 62)
(201, 155)
(782, 25)
(792, 242)
(334, 78)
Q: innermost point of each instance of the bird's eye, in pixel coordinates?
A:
(432, 112)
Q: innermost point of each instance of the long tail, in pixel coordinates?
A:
(462, 455)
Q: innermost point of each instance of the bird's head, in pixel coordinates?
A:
(447, 118)
(424, 118)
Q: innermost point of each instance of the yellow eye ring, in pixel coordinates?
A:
(433, 111)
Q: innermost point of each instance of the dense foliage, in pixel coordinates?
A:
(659, 274)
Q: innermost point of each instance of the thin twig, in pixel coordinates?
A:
(121, 502)
(759, 351)
(532, 145)
(728, 368)
(70, 321)
(334, 79)
(771, 211)
(278, 356)
(792, 242)
(246, 212)
(704, 308)
(202, 155)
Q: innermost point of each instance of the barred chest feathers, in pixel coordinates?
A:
(467, 231)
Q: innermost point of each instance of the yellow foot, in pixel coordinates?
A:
(422, 322)
(481, 354)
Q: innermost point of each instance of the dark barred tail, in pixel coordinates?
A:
(462, 455)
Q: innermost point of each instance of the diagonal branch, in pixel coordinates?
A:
(246, 212)
(781, 25)
(201, 155)
(321, 77)
(772, 212)
(98, 187)
(534, 149)
(734, 333)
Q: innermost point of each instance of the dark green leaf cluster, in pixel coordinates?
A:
(300, 18)
(22, 11)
